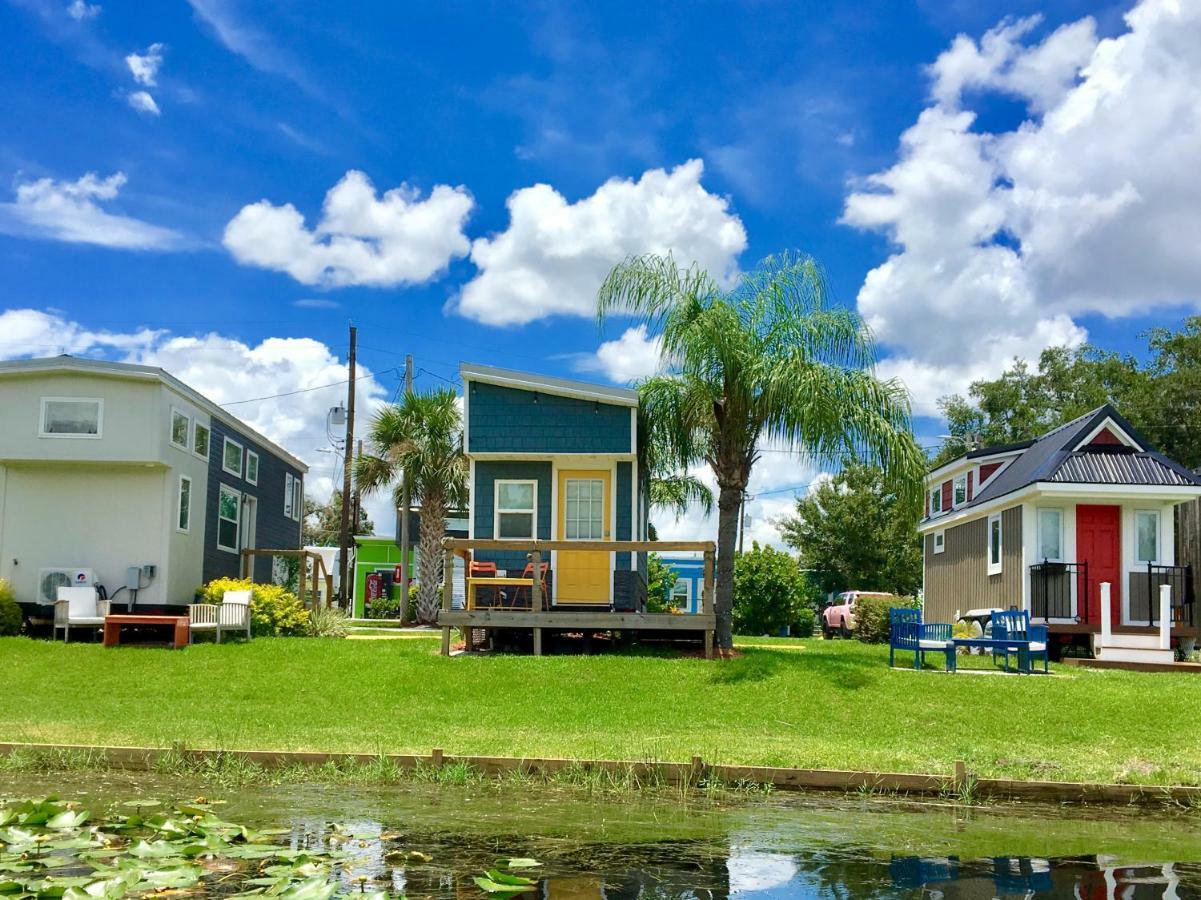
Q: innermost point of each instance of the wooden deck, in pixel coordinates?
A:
(579, 620)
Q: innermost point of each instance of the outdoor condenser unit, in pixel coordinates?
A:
(50, 580)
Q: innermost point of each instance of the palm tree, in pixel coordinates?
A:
(419, 441)
(769, 359)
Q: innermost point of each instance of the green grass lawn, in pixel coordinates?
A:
(830, 704)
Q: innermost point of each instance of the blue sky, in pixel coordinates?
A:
(189, 114)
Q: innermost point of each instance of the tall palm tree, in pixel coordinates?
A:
(770, 359)
(419, 441)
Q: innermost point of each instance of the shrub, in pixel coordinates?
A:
(660, 579)
(274, 611)
(327, 622)
(10, 613)
(805, 622)
(871, 616)
(384, 608)
(770, 590)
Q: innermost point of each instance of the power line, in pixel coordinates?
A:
(321, 387)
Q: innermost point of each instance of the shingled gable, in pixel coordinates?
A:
(1085, 451)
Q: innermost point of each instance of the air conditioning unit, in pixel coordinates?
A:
(50, 580)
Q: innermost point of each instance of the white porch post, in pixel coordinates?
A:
(1165, 617)
(1106, 615)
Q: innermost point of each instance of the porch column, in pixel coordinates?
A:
(1106, 615)
(1165, 617)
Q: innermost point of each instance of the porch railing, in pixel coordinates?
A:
(1144, 593)
(1051, 590)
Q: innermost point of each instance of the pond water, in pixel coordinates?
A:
(433, 841)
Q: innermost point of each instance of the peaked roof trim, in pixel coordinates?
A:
(67, 363)
(547, 384)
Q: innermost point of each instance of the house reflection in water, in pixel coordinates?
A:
(1086, 878)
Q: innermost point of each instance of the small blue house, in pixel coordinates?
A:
(690, 579)
(553, 459)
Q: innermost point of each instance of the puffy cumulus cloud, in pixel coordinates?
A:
(81, 11)
(631, 357)
(71, 211)
(1090, 206)
(144, 66)
(361, 239)
(143, 103)
(300, 378)
(555, 254)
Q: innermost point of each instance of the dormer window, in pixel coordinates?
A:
(936, 501)
(959, 494)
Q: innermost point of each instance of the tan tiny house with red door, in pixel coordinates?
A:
(1043, 524)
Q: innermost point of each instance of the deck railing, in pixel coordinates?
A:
(1144, 593)
(1051, 590)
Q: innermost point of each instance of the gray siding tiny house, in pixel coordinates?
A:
(553, 459)
(267, 514)
(957, 579)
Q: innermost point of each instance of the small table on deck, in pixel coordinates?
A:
(494, 581)
(1021, 647)
(112, 628)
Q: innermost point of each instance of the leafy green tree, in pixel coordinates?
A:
(770, 359)
(852, 531)
(660, 579)
(1169, 407)
(420, 441)
(770, 591)
(323, 522)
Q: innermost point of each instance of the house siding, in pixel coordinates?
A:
(273, 530)
(957, 578)
(511, 420)
(487, 472)
(624, 524)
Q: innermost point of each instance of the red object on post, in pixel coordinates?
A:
(375, 587)
(398, 574)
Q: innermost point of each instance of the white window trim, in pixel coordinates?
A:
(936, 491)
(43, 433)
(1158, 536)
(289, 495)
(226, 441)
(298, 501)
(940, 541)
(196, 426)
(187, 438)
(994, 568)
(687, 582)
(249, 454)
(955, 482)
(225, 488)
(1038, 532)
(183, 529)
(496, 485)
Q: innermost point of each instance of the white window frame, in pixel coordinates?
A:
(43, 433)
(226, 489)
(1158, 536)
(226, 441)
(187, 526)
(298, 501)
(959, 479)
(187, 436)
(940, 541)
(687, 583)
(496, 510)
(1038, 526)
(208, 430)
(936, 494)
(250, 454)
(994, 568)
(289, 495)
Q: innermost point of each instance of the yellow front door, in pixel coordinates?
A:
(583, 576)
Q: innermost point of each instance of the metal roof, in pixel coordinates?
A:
(1119, 468)
(548, 384)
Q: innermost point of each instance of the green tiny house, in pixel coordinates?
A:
(374, 554)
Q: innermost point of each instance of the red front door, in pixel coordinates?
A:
(1098, 543)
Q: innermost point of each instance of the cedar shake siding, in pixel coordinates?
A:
(510, 420)
(957, 578)
(483, 494)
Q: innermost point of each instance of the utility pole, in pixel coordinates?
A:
(356, 511)
(406, 503)
(348, 464)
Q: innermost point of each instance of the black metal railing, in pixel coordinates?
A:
(1051, 590)
(1144, 593)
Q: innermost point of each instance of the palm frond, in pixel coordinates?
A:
(678, 492)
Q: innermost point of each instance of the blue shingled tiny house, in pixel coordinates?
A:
(690, 579)
(552, 459)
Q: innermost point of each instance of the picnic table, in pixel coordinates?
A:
(112, 627)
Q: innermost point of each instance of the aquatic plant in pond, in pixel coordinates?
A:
(51, 849)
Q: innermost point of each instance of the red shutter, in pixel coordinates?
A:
(927, 504)
(946, 495)
(1106, 438)
(969, 485)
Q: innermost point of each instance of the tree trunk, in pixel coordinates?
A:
(429, 578)
(728, 503)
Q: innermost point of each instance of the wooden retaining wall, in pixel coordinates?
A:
(961, 782)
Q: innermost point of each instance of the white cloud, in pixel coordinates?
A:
(555, 254)
(361, 239)
(631, 357)
(81, 11)
(144, 66)
(1091, 206)
(70, 211)
(316, 303)
(32, 332)
(143, 102)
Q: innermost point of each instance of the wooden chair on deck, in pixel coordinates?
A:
(485, 570)
(521, 596)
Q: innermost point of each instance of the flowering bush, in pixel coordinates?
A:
(274, 611)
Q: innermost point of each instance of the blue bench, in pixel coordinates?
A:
(906, 631)
(1013, 633)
